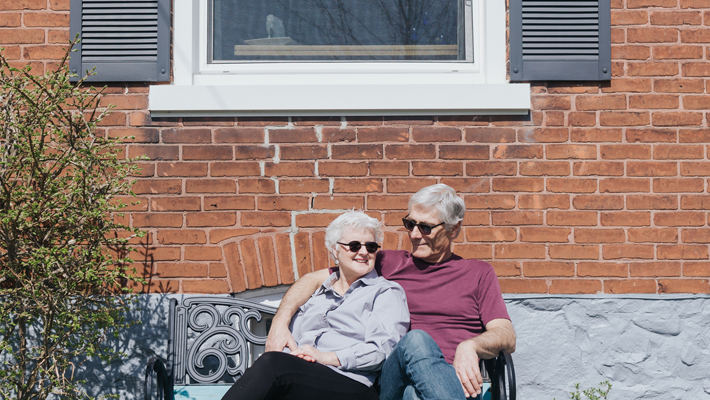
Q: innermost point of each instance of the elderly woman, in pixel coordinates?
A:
(343, 333)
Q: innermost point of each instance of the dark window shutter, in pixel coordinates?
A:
(126, 40)
(557, 40)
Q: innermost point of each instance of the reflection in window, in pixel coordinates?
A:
(339, 30)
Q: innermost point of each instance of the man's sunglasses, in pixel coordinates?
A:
(423, 228)
(355, 246)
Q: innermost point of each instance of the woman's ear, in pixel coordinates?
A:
(334, 251)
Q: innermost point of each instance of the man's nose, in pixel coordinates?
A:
(415, 233)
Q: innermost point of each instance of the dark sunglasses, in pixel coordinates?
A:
(355, 246)
(423, 228)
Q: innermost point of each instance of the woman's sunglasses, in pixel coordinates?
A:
(423, 228)
(355, 246)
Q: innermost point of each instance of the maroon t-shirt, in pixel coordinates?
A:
(452, 301)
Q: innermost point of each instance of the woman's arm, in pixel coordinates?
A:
(388, 322)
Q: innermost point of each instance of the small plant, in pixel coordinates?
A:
(62, 253)
(600, 393)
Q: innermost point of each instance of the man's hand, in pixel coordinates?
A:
(280, 338)
(467, 369)
(310, 353)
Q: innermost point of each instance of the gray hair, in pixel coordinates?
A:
(449, 207)
(350, 220)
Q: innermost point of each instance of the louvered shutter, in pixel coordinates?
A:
(560, 40)
(126, 40)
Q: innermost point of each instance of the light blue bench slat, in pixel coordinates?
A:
(197, 392)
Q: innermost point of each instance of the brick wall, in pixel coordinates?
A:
(603, 189)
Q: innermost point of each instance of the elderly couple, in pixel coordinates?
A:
(335, 329)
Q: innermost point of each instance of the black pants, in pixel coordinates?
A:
(277, 375)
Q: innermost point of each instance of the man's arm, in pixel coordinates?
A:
(279, 335)
(499, 335)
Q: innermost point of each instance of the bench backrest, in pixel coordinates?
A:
(213, 340)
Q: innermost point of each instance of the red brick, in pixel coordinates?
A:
(154, 152)
(338, 134)
(318, 220)
(407, 185)
(491, 168)
(485, 234)
(603, 269)
(651, 202)
(157, 186)
(551, 102)
(287, 186)
(468, 185)
(582, 235)
(464, 152)
(679, 218)
(602, 168)
(303, 254)
(131, 203)
(554, 118)
(175, 203)
(652, 69)
(675, 185)
(655, 269)
(214, 203)
(182, 236)
(182, 169)
(596, 135)
(490, 135)
(266, 218)
(694, 36)
(574, 251)
(630, 52)
(623, 286)
(336, 168)
(598, 202)
(205, 121)
(268, 261)
(283, 252)
(10, 20)
(513, 218)
(389, 168)
(700, 202)
(21, 35)
(641, 168)
(413, 151)
(383, 134)
(316, 121)
(210, 186)
(209, 152)
(626, 218)
(652, 35)
(181, 270)
(678, 53)
(543, 135)
(239, 135)
(624, 118)
(624, 185)
(289, 169)
(356, 151)
(282, 203)
(436, 134)
(217, 270)
(228, 168)
(625, 151)
(321, 255)
(210, 219)
(518, 184)
(151, 254)
(519, 251)
(543, 201)
(697, 168)
(572, 218)
(162, 220)
(523, 285)
(623, 251)
(696, 269)
(684, 285)
(490, 202)
(389, 202)
(548, 268)
(186, 135)
(632, 85)
(571, 185)
(125, 102)
(235, 269)
(544, 235)
(338, 202)
(506, 268)
(544, 168)
(601, 102)
(366, 185)
(683, 252)
(678, 86)
(219, 235)
(205, 253)
(625, 17)
(575, 286)
(653, 235)
(654, 101)
(469, 251)
(304, 152)
(298, 135)
(582, 119)
(518, 151)
(677, 118)
(695, 70)
(675, 18)
(696, 102)
(437, 168)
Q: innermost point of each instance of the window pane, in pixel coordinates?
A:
(338, 30)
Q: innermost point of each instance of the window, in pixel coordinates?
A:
(338, 57)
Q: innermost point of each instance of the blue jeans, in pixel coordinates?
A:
(417, 370)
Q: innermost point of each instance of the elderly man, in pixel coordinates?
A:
(457, 310)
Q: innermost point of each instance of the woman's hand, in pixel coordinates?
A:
(310, 353)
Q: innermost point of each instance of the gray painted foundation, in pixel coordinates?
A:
(648, 347)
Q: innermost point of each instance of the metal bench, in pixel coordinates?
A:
(212, 340)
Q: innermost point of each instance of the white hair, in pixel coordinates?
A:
(350, 220)
(449, 207)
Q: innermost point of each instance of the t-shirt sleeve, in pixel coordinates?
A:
(490, 298)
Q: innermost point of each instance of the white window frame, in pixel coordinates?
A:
(338, 89)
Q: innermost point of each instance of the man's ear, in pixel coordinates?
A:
(455, 230)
